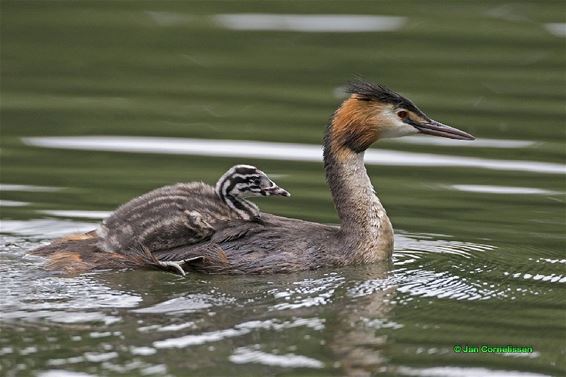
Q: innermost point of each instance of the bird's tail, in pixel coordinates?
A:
(77, 253)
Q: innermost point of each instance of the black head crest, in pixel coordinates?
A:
(367, 91)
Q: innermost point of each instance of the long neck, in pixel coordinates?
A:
(365, 228)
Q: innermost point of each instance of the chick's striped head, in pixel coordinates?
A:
(245, 181)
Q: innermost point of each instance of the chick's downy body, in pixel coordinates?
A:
(167, 217)
(185, 213)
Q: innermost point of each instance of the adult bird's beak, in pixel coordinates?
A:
(277, 191)
(432, 127)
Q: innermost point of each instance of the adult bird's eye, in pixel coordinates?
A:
(402, 114)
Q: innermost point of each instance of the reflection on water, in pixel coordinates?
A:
(340, 23)
(26, 188)
(77, 214)
(279, 151)
(328, 23)
(503, 190)
(238, 330)
(245, 355)
(43, 228)
(63, 373)
(185, 304)
(463, 372)
(478, 143)
(12, 203)
(556, 28)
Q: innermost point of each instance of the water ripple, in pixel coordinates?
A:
(318, 23)
(243, 355)
(44, 228)
(27, 188)
(463, 372)
(77, 214)
(49, 297)
(188, 304)
(504, 190)
(238, 330)
(308, 292)
(12, 203)
(412, 245)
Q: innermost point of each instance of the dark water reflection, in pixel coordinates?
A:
(103, 101)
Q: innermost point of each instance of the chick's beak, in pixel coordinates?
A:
(277, 191)
(434, 128)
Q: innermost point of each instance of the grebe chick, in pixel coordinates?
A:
(185, 213)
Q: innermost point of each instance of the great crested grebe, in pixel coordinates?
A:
(185, 213)
(279, 244)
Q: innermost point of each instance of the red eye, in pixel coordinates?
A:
(402, 114)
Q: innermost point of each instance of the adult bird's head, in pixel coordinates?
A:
(374, 112)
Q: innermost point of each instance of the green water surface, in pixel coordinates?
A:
(480, 246)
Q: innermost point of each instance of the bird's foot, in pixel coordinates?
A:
(177, 265)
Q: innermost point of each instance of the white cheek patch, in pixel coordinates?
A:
(398, 131)
(395, 127)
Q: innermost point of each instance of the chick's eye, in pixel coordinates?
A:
(402, 114)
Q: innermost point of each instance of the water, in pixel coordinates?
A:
(103, 101)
